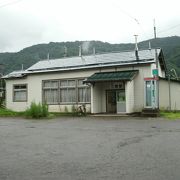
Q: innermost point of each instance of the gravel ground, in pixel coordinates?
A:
(108, 148)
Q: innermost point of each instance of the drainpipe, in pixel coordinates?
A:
(169, 83)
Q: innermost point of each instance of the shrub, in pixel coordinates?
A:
(37, 110)
(45, 112)
(74, 110)
(66, 109)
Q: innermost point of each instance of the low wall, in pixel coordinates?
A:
(169, 95)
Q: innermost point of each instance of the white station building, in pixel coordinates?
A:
(120, 82)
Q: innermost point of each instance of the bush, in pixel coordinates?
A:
(66, 109)
(74, 110)
(37, 110)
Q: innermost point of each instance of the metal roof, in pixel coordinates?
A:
(86, 62)
(112, 76)
(94, 60)
(15, 74)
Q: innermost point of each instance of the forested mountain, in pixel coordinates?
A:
(30, 55)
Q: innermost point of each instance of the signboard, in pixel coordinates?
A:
(155, 72)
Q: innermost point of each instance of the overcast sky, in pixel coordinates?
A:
(28, 22)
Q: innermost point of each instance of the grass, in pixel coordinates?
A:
(10, 113)
(170, 114)
(58, 114)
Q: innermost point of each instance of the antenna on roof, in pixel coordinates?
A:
(65, 51)
(94, 51)
(149, 45)
(136, 47)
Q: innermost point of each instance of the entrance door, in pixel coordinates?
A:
(111, 101)
(121, 101)
(116, 101)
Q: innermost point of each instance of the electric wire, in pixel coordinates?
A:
(10, 3)
(173, 27)
(133, 18)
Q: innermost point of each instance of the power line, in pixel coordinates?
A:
(138, 23)
(9, 3)
(173, 27)
(133, 18)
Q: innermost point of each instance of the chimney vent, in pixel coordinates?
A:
(136, 48)
(149, 45)
(65, 51)
(94, 51)
(80, 51)
(47, 56)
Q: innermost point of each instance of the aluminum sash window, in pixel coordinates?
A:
(20, 93)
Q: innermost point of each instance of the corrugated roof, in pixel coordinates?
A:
(94, 60)
(112, 76)
(15, 74)
(86, 62)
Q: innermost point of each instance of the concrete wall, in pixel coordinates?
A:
(98, 103)
(164, 101)
(96, 99)
(129, 89)
(139, 88)
(98, 93)
(34, 83)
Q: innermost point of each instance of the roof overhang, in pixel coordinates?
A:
(112, 76)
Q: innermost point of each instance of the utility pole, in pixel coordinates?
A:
(155, 38)
(156, 74)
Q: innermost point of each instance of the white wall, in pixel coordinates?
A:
(34, 83)
(139, 88)
(99, 97)
(16, 106)
(129, 89)
(98, 94)
(164, 95)
(96, 99)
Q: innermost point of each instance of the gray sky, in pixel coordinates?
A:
(28, 22)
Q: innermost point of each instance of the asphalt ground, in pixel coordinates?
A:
(92, 148)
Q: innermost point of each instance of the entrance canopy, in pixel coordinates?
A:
(112, 76)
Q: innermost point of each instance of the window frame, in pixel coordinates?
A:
(84, 87)
(50, 88)
(26, 91)
(76, 87)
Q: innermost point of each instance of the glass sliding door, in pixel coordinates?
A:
(148, 92)
(151, 94)
(111, 101)
(121, 101)
(116, 101)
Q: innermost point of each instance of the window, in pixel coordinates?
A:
(84, 92)
(117, 85)
(65, 91)
(50, 92)
(20, 93)
(68, 91)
